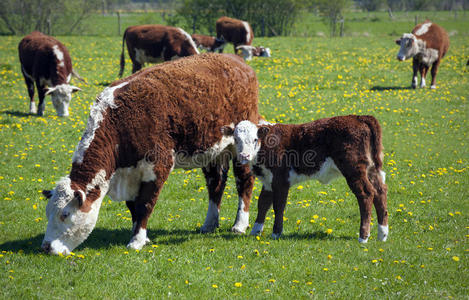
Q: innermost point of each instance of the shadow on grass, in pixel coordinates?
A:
(101, 239)
(18, 113)
(384, 88)
(105, 83)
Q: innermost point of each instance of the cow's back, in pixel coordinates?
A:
(435, 36)
(183, 104)
(234, 30)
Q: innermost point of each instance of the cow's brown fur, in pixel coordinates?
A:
(352, 142)
(207, 42)
(156, 41)
(176, 106)
(233, 31)
(39, 61)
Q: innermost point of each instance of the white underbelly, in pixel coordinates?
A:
(325, 175)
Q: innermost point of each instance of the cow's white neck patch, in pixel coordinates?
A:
(248, 31)
(59, 55)
(189, 38)
(104, 100)
(423, 29)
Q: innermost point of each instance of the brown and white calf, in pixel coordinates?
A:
(247, 52)
(46, 62)
(154, 44)
(427, 45)
(284, 155)
(141, 128)
(234, 31)
(208, 43)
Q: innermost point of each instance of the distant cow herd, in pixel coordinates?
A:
(202, 112)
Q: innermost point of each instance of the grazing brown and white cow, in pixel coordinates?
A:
(247, 52)
(234, 31)
(208, 43)
(141, 128)
(155, 43)
(284, 155)
(46, 62)
(427, 45)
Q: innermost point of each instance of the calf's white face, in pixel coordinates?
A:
(61, 96)
(246, 140)
(409, 47)
(68, 226)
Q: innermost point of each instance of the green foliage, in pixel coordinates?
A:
(333, 13)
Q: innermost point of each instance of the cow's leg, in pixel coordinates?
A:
(41, 91)
(263, 205)
(136, 66)
(143, 206)
(434, 70)
(244, 185)
(415, 69)
(216, 174)
(380, 202)
(280, 195)
(131, 207)
(30, 84)
(423, 74)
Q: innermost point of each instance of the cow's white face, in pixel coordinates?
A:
(61, 96)
(409, 47)
(68, 225)
(246, 140)
(265, 52)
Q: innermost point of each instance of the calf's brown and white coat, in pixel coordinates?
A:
(46, 62)
(247, 52)
(206, 42)
(155, 43)
(284, 155)
(234, 31)
(427, 45)
(142, 127)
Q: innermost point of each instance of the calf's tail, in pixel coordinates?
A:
(376, 140)
(122, 56)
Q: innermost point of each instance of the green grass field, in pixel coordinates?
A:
(425, 134)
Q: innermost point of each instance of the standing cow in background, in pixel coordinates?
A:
(234, 31)
(141, 128)
(46, 62)
(209, 43)
(427, 45)
(155, 43)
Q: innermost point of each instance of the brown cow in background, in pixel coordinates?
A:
(234, 31)
(209, 43)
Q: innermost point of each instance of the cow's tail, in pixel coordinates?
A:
(376, 140)
(122, 56)
(77, 76)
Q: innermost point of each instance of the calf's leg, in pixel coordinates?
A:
(244, 185)
(263, 206)
(415, 69)
(434, 71)
(380, 203)
(216, 174)
(41, 91)
(30, 85)
(280, 195)
(423, 74)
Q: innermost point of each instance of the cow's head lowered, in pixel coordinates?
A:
(247, 137)
(61, 96)
(72, 216)
(409, 47)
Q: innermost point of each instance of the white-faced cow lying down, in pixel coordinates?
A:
(208, 43)
(234, 31)
(247, 52)
(427, 45)
(284, 155)
(46, 62)
(142, 127)
(155, 43)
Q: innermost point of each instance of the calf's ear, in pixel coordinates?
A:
(47, 193)
(79, 196)
(227, 131)
(398, 42)
(75, 89)
(262, 132)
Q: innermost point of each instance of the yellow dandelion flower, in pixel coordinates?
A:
(238, 284)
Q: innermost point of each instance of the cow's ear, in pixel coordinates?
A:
(47, 193)
(227, 131)
(50, 90)
(79, 197)
(262, 132)
(398, 42)
(75, 89)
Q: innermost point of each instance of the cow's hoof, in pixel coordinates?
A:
(257, 229)
(32, 108)
(40, 113)
(208, 228)
(137, 242)
(433, 87)
(383, 232)
(276, 236)
(362, 241)
(413, 86)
